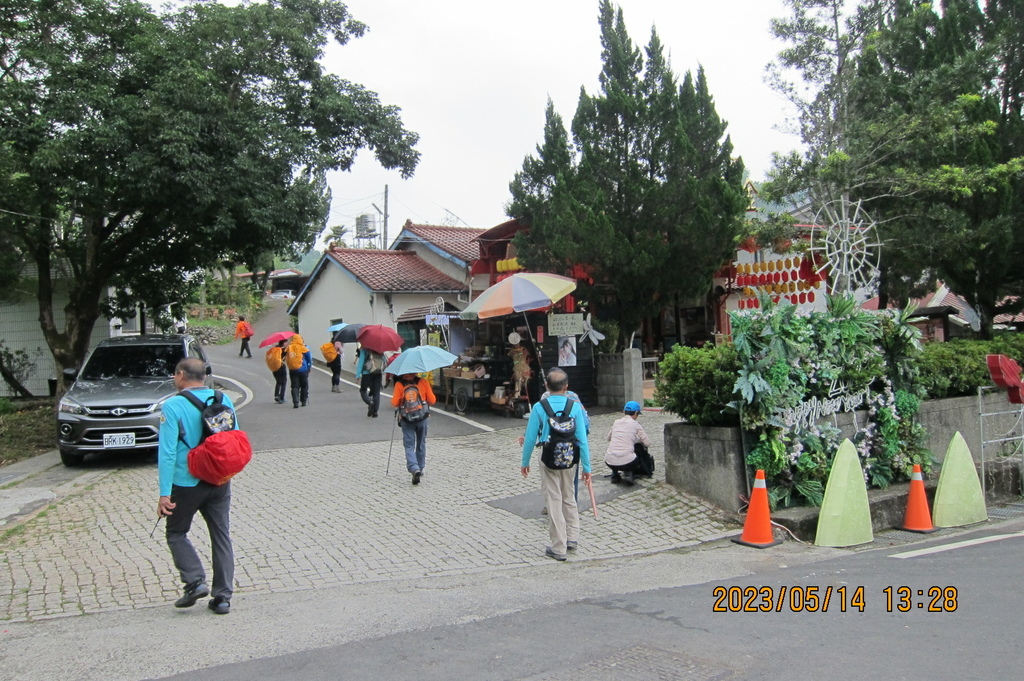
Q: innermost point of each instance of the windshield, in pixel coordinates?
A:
(141, 361)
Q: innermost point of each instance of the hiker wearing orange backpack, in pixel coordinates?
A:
(299, 361)
(412, 399)
(275, 362)
(244, 330)
(334, 354)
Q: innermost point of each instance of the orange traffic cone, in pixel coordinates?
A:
(917, 518)
(757, 529)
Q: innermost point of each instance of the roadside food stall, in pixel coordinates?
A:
(512, 319)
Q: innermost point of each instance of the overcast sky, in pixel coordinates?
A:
(472, 78)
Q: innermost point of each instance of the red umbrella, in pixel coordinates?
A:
(276, 338)
(379, 338)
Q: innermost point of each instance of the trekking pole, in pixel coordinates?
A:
(158, 519)
(392, 445)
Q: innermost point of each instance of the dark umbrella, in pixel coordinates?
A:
(378, 338)
(348, 334)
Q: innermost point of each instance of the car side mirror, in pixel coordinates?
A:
(209, 370)
(69, 376)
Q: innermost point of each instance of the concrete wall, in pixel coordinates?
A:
(619, 378)
(708, 462)
(943, 418)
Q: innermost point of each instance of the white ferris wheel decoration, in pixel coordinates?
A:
(843, 239)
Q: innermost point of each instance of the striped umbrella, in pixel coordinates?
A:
(518, 293)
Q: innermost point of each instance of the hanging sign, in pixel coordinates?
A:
(437, 319)
(565, 324)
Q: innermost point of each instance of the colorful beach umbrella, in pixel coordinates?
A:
(518, 293)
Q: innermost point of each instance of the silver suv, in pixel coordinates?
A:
(114, 401)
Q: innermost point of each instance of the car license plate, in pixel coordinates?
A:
(119, 440)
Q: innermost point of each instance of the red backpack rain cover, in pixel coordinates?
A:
(223, 450)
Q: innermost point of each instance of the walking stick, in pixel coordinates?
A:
(158, 519)
(593, 501)
(392, 445)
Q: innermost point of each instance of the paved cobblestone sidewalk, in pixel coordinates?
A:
(327, 516)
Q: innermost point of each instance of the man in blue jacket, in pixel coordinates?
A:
(182, 494)
(557, 483)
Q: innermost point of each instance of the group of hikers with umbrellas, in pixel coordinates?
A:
(558, 423)
(289, 358)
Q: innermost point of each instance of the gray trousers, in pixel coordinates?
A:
(214, 504)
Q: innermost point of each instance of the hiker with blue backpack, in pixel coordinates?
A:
(412, 399)
(183, 494)
(559, 423)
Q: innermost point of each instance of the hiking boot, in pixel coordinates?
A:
(616, 478)
(192, 594)
(571, 545)
(627, 478)
(416, 477)
(551, 554)
(219, 605)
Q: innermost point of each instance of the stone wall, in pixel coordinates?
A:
(619, 378)
(708, 462)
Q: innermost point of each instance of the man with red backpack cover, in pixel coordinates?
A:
(182, 494)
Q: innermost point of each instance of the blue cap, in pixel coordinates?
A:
(632, 407)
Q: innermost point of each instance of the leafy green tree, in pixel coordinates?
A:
(646, 194)
(144, 148)
(957, 172)
(927, 135)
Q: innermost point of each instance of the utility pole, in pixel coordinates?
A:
(384, 245)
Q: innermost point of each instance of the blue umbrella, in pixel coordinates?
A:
(420, 359)
(336, 327)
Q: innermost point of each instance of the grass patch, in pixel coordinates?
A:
(29, 429)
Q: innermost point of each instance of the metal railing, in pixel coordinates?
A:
(649, 366)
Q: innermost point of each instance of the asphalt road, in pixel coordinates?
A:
(971, 631)
(330, 417)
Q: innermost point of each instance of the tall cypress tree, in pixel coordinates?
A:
(648, 196)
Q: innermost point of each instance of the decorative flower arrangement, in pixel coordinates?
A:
(798, 367)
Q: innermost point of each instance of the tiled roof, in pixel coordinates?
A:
(459, 241)
(393, 270)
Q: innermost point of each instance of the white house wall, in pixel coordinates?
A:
(20, 330)
(338, 295)
(432, 258)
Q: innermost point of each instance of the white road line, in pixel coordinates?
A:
(955, 545)
(247, 393)
(468, 422)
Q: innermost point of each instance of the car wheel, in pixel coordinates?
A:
(71, 459)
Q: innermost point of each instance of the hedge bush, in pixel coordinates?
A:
(958, 368)
(697, 383)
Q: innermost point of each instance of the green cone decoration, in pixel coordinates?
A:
(958, 498)
(845, 517)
